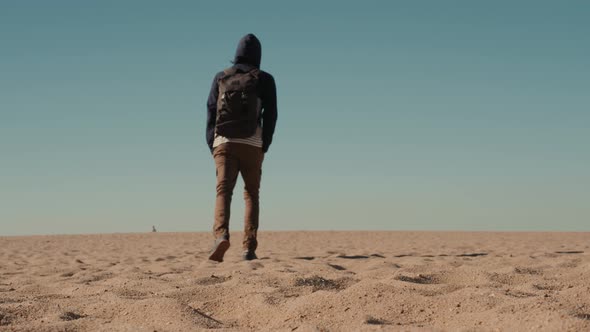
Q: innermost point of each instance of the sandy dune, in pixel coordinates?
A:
(304, 281)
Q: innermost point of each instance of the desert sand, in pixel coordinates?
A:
(303, 281)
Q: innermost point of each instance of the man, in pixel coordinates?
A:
(241, 118)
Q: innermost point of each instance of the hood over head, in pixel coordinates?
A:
(249, 51)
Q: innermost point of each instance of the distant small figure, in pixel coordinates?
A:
(153, 229)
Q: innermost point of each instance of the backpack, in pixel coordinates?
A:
(237, 104)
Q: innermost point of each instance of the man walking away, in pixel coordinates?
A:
(241, 118)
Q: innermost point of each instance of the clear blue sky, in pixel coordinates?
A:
(426, 115)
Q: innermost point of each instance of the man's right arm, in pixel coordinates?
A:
(269, 115)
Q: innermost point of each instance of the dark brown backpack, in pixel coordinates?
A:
(237, 104)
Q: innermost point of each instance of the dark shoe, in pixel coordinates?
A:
(249, 255)
(219, 248)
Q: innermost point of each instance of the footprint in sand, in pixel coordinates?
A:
(549, 287)
(321, 283)
(70, 315)
(95, 277)
(419, 279)
(518, 294)
(67, 274)
(6, 318)
(474, 254)
(585, 316)
(255, 265)
(212, 280)
(352, 256)
(528, 270)
(512, 278)
(370, 320)
(306, 258)
(130, 294)
(337, 267)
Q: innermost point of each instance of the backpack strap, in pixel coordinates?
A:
(255, 72)
(230, 71)
(233, 70)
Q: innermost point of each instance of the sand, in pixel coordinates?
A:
(303, 281)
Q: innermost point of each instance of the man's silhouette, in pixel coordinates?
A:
(241, 118)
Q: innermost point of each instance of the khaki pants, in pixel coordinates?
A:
(232, 159)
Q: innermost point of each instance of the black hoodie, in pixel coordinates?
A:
(248, 56)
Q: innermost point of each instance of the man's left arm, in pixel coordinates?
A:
(212, 113)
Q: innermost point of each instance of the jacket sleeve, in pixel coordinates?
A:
(212, 112)
(269, 114)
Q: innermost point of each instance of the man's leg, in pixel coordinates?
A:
(227, 168)
(251, 168)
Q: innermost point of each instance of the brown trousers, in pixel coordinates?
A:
(232, 159)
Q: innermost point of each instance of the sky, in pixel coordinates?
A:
(393, 115)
